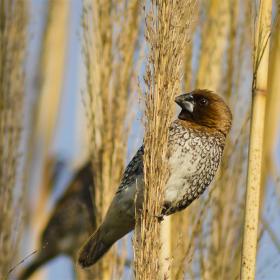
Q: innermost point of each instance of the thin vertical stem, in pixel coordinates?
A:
(110, 36)
(13, 39)
(259, 90)
(166, 33)
(51, 71)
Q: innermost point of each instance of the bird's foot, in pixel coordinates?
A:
(160, 217)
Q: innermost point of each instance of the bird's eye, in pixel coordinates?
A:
(203, 101)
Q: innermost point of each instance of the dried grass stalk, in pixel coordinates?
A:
(166, 33)
(110, 35)
(259, 90)
(273, 101)
(46, 108)
(214, 31)
(51, 68)
(13, 27)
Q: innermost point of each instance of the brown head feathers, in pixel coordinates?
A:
(204, 108)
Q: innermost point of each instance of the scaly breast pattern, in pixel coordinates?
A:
(194, 159)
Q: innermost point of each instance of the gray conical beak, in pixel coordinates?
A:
(185, 101)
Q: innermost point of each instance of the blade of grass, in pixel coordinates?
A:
(259, 91)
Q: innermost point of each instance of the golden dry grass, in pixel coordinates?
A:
(204, 241)
(110, 37)
(273, 102)
(51, 69)
(166, 34)
(13, 24)
(45, 110)
(215, 26)
(259, 92)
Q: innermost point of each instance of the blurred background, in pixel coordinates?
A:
(84, 63)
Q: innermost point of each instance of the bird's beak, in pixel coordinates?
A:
(185, 101)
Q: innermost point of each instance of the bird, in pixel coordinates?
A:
(71, 222)
(196, 141)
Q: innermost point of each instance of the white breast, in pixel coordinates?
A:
(182, 165)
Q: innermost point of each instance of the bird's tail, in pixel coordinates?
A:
(93, 249)
(40, 260)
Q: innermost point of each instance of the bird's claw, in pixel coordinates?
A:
(160, 217)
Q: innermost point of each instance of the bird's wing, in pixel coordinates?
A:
(134, 169)
(135, 166)
(71, 216)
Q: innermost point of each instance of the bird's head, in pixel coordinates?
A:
(205, 108)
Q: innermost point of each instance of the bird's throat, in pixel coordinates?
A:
(185, 115)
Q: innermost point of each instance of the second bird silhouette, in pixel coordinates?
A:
(71, 222)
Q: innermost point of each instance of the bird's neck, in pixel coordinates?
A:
(188, 124)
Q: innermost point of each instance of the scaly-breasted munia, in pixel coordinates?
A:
(196, 143)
